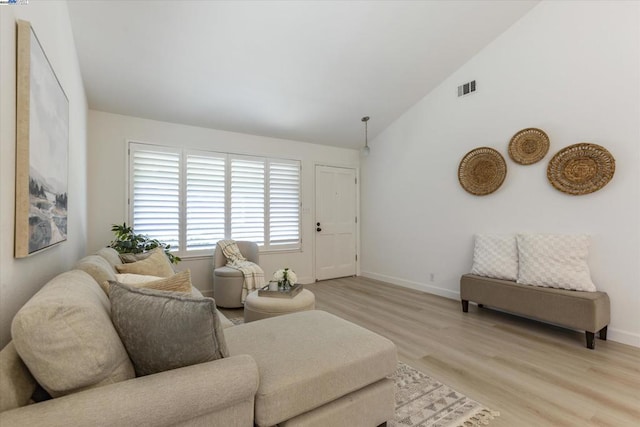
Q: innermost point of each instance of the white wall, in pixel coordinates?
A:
(108, 136)
(21, 278)
(569, 68)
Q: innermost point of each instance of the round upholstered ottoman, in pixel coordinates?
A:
(257, 307)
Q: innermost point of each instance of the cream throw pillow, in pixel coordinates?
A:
(495, 256)
(555, 261)
(135, 279)
(157, 264)
(179, 282)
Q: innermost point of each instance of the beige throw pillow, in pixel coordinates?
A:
(157, 264)
(166, 330)
(179, 282)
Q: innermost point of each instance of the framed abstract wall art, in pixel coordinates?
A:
(42, 145)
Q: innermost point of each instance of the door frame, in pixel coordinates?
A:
(356, 168)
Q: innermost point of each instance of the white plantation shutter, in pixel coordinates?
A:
(284, 203)
(191, 200)
(247, 199)
(155, 193)
(205, 201)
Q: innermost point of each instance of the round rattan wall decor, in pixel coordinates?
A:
(482, 171)
(528, 146)
(581, 168)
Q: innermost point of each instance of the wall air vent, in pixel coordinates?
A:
(467, 88)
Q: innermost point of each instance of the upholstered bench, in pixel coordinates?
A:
(586, 311)
(331, 374)
(257, 307)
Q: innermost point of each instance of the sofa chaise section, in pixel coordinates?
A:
(331, 371)
(304, 369)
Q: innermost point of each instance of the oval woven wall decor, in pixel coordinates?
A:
(581, 168)
(528, 146)
(482, 171)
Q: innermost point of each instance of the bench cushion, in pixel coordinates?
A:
(587, 311)
(308, 359)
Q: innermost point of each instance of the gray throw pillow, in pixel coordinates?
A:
(165, 330)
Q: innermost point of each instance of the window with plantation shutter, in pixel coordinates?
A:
(155, 193)
(284, 203)
(247, 199)
(191, 200)
(205, 201)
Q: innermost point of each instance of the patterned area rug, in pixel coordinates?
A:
(424, 402)
(237, 320)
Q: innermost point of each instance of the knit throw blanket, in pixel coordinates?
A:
(253, 274)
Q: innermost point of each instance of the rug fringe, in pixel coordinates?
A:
(482, 418)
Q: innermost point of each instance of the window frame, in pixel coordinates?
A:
(183, 153)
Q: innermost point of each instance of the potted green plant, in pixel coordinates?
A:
(128, 242)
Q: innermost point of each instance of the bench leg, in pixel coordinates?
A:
(384, 424)
(480, 305)
(590, 340)
(465, 305)
(603, 333)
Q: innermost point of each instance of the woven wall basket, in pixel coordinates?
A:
(482, 171)
(581, 168)
(528, 146)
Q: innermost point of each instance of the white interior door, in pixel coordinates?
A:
(335, 222)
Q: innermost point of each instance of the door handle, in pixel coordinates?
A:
(318, 229)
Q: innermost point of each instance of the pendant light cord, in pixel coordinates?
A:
(365, 119)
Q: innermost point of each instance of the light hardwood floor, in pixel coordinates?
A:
(533, 373)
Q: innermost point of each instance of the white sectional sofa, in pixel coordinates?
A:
(303, 369)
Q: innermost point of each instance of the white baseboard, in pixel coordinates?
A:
(436, 290)
(306, 280)
(623, 337)
(613, 334)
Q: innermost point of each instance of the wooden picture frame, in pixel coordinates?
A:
(42, 146)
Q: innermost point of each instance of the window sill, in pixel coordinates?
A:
(279, 251)
(196, 257)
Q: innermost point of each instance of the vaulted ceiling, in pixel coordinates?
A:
(300, 70)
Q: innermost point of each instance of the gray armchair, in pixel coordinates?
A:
(227, 281)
